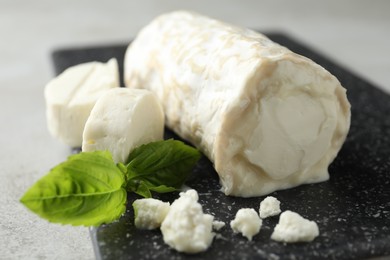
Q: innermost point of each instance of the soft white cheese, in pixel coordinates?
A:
(186, 228)
(149, 213)
(122, 120)
(71, 96)
(267, 118)
(294, 228)
(270, 206)
(246, 222)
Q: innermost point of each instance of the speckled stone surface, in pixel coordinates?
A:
(352, 209)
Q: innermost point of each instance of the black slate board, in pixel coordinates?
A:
(352, 209)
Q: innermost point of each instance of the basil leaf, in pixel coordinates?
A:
(122, 167)
(139, 187)
(143, 187)
(143, 190)
(165, 163)
(162, 189)
(87, 189)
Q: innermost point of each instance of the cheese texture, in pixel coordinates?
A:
(71, 96)
(268, 118)
(149, 213)
(269, 207)
(122, 120)
(186, 228)
(292, 228)
(246, 222)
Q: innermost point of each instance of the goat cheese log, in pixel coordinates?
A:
(268, 118)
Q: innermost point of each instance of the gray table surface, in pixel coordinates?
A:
(354, 33)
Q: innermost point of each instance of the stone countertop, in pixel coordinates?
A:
(353, 33)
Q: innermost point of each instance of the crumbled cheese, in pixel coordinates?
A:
(294, 228)
(186, 228)
(217, 225)
(270, 206)
(247, 222)
(149, 213)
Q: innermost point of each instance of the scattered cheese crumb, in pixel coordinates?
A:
(186, 228)
(294, 228)
(270, 206)
(247, 222)
(217, 225)
(149, 213)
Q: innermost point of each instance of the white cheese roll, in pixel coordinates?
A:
(268, 118)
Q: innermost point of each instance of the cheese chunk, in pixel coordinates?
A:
(149, 213)
(269, 207)
(122, 120)
(246, 222)
(268, 118)
(71, 96)
(186, 228)
(294, 228)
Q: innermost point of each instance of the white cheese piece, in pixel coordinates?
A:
(186, 228)
(149, 213)
(269, 207)
(246, 222)
(72, 94)
(294, 228)
(267, 118)
(122, 120)
(218, 225)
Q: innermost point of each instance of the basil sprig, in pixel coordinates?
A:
(89, 189)
(160, 167)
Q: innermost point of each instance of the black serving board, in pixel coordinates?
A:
(352, 209)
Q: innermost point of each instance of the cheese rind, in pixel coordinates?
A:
(71, 96)
(268, 118)
(121, 120)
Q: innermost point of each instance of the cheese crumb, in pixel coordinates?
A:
(217, 225)
(294, 228)
(270, 206)
(150, 213)
(186, 228)
(246, 222)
